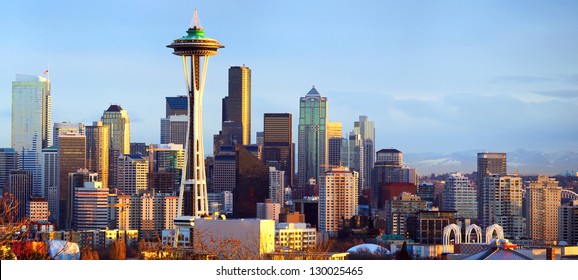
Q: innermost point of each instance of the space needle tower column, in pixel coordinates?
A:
(195, 49)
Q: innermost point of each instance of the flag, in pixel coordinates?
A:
(46, 72)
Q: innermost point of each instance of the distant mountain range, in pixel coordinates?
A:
(524, 161)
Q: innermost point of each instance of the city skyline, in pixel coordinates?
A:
(436, 77)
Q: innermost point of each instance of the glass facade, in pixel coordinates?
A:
(31, 122)
(312, 136)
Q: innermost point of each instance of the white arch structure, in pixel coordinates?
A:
(477, 230)
(568, 194)
(446, 236)
(490, 232)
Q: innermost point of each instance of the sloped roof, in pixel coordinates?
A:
(313, 91)
(114, 108)
(497, 253)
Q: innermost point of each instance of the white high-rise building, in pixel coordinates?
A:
(90, 207)
(459, 195)
(338, 198)
(277, 186)
(354, 157)
(504, 198)
(366, 129)
(132, 172)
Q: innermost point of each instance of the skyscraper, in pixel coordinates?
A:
(8, 161)
(224, 170)
(568, 223)
(334, 130)
(336, 151)
(76, 180)
(334, 143)
(71, 157)
(174, 124)
(132, 172)
(312, 136)
(503, 197)
(354, 157)
(176, 106)
(542, 202)
(389, 169)
(366, 129)
(31, 121)
(278, 145)
(97, 151)
(20, 188)
(237, 105)
(174, 129)
(276, 186)
(51, 180)
(31, 113)
(460, 196)
(338, 197)
(90, 207)
(251, 184)
(488, 164)
(119, 127)
(165, 167)
(66, 128)
(400, 210)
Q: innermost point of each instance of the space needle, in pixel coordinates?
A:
(195, 49)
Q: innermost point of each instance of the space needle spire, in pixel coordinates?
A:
(194, 49)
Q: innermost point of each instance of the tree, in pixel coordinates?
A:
(117, 250)
(403, 253)
(10, 226)
(88, 253)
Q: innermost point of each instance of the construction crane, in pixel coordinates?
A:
(123, 221)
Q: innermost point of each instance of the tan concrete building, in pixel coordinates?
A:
(543, 200)
(338, 200)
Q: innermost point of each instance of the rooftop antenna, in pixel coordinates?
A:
(196, 22)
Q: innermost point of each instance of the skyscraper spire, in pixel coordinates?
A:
(196, 22)
(195, 50)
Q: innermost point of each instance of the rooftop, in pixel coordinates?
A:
(114, 108)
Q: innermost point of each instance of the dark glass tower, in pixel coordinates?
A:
(277, 143)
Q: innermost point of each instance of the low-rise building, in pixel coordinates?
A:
(294, 236)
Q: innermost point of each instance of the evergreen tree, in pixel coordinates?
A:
(403, 253)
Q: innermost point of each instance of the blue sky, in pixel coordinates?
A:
(434, 76)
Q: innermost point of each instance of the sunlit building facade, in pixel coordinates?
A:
(97, 150)
(488, 164)
(132, 172)
(504, 199)
(312, 136)
(237, 106)
(460, 196)
(542, 202)
(118, 122)
(90, 207)
(338, 199)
